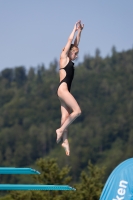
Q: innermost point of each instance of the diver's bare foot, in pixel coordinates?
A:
(65, 145)
(59, 135)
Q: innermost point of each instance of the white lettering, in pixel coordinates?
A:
(121, 190)
(118, 198)
(122, 184)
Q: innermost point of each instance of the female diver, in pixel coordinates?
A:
(70, 109)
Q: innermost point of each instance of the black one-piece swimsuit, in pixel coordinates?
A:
(69, 68)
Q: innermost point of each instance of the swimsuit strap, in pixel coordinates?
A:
(65, 66)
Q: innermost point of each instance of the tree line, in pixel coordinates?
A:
(30, 114)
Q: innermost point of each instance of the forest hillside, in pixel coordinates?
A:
(30, 114)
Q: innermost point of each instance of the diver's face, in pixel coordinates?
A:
(73, 54)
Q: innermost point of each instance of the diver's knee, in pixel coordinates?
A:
(78, 112)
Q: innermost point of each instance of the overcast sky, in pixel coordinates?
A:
(33, 32)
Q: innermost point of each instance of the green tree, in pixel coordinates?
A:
(20, 75)
(89, 187)
(50, 174)
(91, 183)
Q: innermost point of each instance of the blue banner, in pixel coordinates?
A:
(119, 185)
